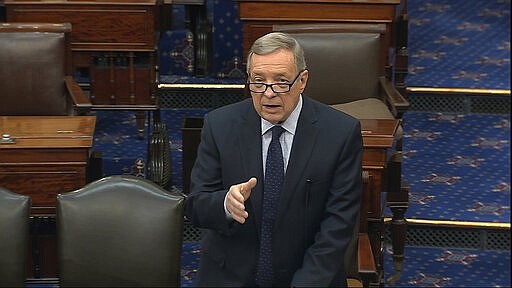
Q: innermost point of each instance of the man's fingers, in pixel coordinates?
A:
(240, 218)
(246, 187)
(237, 210)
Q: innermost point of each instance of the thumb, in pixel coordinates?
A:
(247, 187)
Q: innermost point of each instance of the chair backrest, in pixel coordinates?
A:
(34, 61)
(345, 61)
(14, 238)
(119, 231)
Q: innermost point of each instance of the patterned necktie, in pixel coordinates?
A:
(274, 175)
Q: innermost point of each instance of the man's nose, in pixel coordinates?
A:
(269, 92)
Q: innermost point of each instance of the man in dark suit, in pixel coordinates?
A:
(318, 201)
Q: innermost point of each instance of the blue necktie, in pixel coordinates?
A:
(273, 183)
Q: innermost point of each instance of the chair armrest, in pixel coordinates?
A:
(81, 102)
(366, 261)
(396, 101)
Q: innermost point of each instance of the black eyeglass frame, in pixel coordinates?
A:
(271, 85)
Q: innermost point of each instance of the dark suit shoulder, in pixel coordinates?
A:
(232, 112)
(330, 117)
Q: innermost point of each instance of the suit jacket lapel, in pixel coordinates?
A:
(303, 144)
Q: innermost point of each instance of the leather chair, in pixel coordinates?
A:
(36, 69)
(119, 231)
(347, 64)
(348, 69)
(14, 238)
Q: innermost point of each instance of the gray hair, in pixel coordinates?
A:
(274, 41)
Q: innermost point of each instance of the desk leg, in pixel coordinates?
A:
(44, 248)
(376, 234)
(140, 117)
(398, 202)
(36, 252)
(398, 234)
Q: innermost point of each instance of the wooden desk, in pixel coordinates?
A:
(113, 43)
(378, 139)
(378, 142)
(47, 155)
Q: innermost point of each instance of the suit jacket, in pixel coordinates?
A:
(318, 206)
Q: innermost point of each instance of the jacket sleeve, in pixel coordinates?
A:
(205, 203)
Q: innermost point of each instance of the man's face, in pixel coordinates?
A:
(276, 67)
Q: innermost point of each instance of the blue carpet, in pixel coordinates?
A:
(459, 44)
(125, 153)
(423, 267)
(451, 267)
(457, 166)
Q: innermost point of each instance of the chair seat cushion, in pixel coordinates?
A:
(370, 108)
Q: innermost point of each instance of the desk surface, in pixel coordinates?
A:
(378, 133)
(47, 131)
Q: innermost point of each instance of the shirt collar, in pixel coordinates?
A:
(290, 124)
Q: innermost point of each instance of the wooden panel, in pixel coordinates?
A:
(374, 205)
(96, 25)
(43, 183)
(48, 156)
(311, 11)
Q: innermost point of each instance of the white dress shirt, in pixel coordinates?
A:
(286, 140)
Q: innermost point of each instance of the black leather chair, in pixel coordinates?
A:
(119, 231)
(14, 238)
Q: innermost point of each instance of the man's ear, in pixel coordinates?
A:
(303, 80)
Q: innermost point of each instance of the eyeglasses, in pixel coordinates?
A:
(258, 87)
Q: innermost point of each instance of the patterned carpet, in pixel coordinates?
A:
(459, 44)
(424, 267)
(457, 166)
(451, 267)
